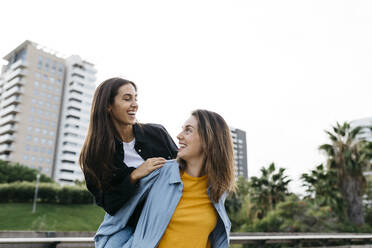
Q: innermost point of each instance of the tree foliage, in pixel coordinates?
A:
(268, 190)
(322, 189)
(349, 154)
(16, 172)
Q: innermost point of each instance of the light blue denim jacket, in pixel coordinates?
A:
(163, 188)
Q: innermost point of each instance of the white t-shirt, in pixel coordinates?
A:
(131, 157)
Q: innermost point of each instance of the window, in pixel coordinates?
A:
(35, 149)
(37, 75)
(43, 141)
(36, 83)
(54, 67)
(29, 128)
(45, 76)
(25, 157)
(27, 147)
(51, 79)
(36, 139)
(47, 62)
(50, 151)
(40, 62)
(33, 159)
(28, 137)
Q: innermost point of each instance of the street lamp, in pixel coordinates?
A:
(36, 190)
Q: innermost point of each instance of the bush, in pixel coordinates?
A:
(47, 193)
(74, 195)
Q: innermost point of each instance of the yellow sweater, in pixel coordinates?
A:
(194, 218)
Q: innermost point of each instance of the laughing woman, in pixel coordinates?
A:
(118, 151)
(185, 198)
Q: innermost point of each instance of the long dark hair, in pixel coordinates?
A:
(218, 151)
(96, 156)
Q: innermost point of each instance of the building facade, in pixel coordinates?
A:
(35, 88)
(240, 152)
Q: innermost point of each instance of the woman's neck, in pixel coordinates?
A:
(125, 132)
(194, 167)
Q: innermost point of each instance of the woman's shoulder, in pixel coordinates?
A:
(146, 127)
(151, 129)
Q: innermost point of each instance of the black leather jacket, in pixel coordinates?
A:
(152, 140)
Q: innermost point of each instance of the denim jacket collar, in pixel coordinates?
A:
(175, 175)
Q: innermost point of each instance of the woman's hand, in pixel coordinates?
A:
(146, 168)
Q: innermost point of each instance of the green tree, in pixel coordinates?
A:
(268, 190)
(322, 189)
(349, 153)
(295, 215)
(237, 205)
(16, 172)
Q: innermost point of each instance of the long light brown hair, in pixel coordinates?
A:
(218, 153)
(97, 153)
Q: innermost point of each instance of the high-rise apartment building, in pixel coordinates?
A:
(74, 118)
(44, 109)
(240, 152)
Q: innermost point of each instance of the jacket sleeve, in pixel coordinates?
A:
(169, 143)
(112, 200)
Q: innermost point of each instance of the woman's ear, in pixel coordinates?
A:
(109, 109)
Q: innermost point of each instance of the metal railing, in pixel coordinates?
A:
(261, 239)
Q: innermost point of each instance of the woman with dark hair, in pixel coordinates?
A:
(118, 151)
(184, 205)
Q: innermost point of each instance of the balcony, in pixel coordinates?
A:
(76, 87)
(15, 81)
(74, 104)
(19, 63)
(9, 110)
(6, 138)
(15, 90)
(6, 148)
(16, 73)
(10, 128)
(71, 139)
(69, 157)
(11, 100)
(4, 157)
(73, 113)
(8, 119)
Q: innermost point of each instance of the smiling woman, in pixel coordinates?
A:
(118, 151)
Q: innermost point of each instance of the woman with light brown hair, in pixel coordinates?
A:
(184, 207)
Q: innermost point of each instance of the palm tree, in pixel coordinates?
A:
(322, 189)
(349, 153)
(268, 190)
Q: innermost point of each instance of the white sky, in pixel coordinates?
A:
(283, 71)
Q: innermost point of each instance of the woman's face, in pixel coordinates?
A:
(190, 146)
(124, 108)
